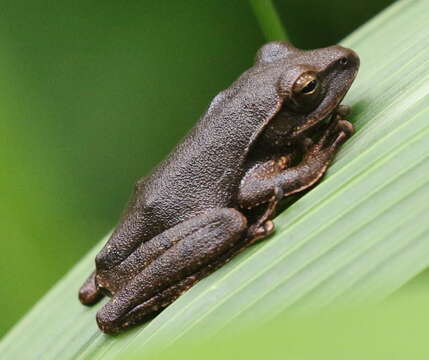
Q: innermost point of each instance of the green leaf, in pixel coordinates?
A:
(269, 20)
(397, 329)
(359, 235)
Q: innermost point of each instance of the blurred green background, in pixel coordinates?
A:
(94, 94)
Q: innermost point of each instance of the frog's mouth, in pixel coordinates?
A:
(285, 129)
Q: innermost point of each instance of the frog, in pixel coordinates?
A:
(272, 134)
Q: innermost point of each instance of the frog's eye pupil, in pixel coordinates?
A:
(309, 87)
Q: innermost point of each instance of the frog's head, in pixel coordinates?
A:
(310, 83)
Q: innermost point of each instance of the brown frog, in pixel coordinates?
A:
(271, 134)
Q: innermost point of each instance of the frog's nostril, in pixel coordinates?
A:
(350, 60)
(344, 61)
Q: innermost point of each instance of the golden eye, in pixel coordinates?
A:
(306, 84)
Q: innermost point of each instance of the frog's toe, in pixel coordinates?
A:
(90, 293)
(108, 321)
(346, 126)
(343, 110)
(262, 231)
(335, 135)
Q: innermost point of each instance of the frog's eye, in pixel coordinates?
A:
(307, 92)
(306, 84)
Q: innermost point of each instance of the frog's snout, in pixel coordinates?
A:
(352, 59)
(347, 59)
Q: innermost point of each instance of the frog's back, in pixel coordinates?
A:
(205, 169)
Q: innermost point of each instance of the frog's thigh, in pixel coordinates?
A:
(219, 230)
(114, 279)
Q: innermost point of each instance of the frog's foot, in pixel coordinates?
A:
(319, 155)
(183, 254)
(334, 135)
(264, 226)
(261, 231)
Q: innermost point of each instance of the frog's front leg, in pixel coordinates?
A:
(187, 248)
(259, 187)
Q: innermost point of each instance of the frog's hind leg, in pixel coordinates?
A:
(161, 300)
(194, 244)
